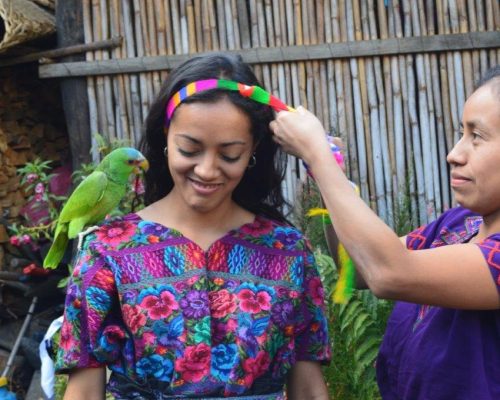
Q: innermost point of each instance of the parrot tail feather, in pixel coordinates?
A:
(56, 251)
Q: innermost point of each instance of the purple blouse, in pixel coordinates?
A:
(437, 353)
(165, 315)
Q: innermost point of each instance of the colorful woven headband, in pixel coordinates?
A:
(255, 93)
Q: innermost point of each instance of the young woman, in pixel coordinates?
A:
(443, 338)
(208, 292)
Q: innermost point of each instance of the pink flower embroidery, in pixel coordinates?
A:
(133, 317)
(160, 306)
(254, 367)
(222, 303)
(113, 334)
(259, 227)
(115, 232)
(148, 339)
(195, 364)
(254, 302)
(316, 291)
(67, 341)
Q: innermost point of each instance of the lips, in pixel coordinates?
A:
(458, 180)
(204, 188)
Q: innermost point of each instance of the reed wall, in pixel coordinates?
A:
(398, 114)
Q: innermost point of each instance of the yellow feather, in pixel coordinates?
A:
(314, 212)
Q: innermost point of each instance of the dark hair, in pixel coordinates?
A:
(492, 74)
(260, 188)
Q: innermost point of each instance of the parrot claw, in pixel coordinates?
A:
(81, 235)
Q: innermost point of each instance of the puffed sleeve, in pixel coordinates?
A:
(490, 248)
(90, 335)
(312, 341)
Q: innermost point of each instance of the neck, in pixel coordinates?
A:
(222, 219)
(490, 225)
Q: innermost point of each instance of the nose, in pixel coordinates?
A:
(457, 154)
(207, 168)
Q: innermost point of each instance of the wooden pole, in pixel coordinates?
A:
(69, 24)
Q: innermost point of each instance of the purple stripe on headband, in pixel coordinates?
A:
(206, 84)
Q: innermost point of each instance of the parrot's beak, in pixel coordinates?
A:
(142, 165)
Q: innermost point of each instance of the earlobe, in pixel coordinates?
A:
(252, 162)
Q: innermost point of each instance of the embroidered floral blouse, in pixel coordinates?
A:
(158, 310)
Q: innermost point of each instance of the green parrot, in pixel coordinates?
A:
(96, 196)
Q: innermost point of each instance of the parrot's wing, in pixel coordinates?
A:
(85, 197)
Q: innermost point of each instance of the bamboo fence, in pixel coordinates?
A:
(397, 114)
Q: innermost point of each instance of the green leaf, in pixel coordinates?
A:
(366, 347)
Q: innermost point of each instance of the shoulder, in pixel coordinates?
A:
(453, 226)
(120, 232)
(273, 234)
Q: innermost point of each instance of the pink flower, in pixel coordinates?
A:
(255, 367)
(231, 325)
(115, 232)
(67, 342)
(180, 286)
(113, 334)
(38, 197)
(147, 339)
(30, 178)
(133, 317)
(195, 364)
(15, 240)
(316, 291)
(222, 303)
(39, 188)
(254, 302)
(25, 239)
(160, 306)
(258, 228)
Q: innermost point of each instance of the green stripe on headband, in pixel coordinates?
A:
(256, 93)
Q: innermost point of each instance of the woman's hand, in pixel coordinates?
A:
(300, 133)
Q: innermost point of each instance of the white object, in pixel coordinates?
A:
(47, 371)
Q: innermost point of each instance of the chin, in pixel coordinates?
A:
(201, 208)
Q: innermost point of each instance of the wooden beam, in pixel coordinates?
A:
(365, 48)
(69, 23)
(62, 52)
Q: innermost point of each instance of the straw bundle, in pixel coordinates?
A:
(21, 21)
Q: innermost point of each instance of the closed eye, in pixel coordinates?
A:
(230, 159)
(186, 153)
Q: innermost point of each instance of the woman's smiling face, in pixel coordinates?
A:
(209, 147)
(475, 159)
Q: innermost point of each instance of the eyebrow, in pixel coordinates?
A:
(196, 141)
(474, 124)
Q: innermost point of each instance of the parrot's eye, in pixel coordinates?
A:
(131, 162)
